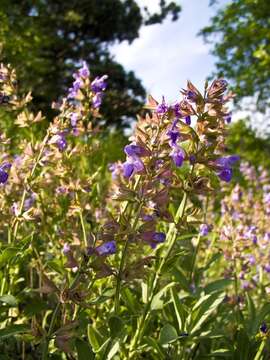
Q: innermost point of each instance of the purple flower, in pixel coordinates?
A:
(60, 190)
(3, 76)
(84, 71)
(245, 285)
(73, 119)
(263, 328)
(132, 166)
(224, 165)
(147, 218)
(174, 136)
(267, 268)
(61, 142)
(266, 236)
(77, 84)
(188, 120)
(3, 172)
(204, 229)
(254, 239)
(225, 174)
(191, 96)
(135, 150)
(115, 169)
(99, 84)
(66, 248)
(73, 91)
(4, 99)
(154, 238)
(177, 112)
(15, 209)
(227, 161)
(266, 198)
(192, 159)
(228, 118)
(128, 169)
(159, 237)
(107, 248)
(29, 202)
(252, 260)
(162, 108)
(97, 100)
(177, 155)
(236, 194)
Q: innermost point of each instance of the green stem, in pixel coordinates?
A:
(194, 257)
(83, 229)
(172, 237)
(47, 337)
(122, 263)
(16, 222)
(258, 356)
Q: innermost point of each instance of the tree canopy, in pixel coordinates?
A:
(244, 141)
(45, 39)
(241, 38)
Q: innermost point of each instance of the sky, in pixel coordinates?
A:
(166, 55)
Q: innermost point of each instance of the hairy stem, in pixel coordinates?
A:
(122, 263)
(124, 251)
(16, 221)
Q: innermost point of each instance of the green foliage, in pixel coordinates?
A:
(241, 38)
(243, 141)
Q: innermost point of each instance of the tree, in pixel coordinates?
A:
(45, 39)
(241, 37)
(243, 141)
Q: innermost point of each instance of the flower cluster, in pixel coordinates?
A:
(97, 86)
(244, 233)
(167, 153)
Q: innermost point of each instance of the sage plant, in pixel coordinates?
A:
(89, 251)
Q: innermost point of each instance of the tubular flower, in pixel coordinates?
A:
(178, 155)
(4, 172)
(224, 167)
(108, 248)
(99, 84)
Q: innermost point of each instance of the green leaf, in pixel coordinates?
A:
(167, 334)
(94, 338)
(116, 325)
(35, 306)
(7, 254)
(179, 310)
(103, 351)
(157, 303)
(203, 309)
(251, 318)
(155, 345)
(13, 330)
(114, 350)
(84, 351)
(219, 353)
(56, 266)
(181, 278)
(218, 285)
(9, 300)
(130, 300)
(213, 259)
(264, 311)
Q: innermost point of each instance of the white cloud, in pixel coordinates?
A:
(165, 56)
